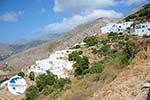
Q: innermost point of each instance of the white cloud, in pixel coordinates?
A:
(133, 2)
(81, 5)
(68, 24)
(10, 16)
(84, 11)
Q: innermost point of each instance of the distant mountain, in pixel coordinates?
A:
(5, 51)
(8, 49)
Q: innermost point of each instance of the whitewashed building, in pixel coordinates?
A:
(116, 27)
(57, 63)
(142, 29)
(111, 27)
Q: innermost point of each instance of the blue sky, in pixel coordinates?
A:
(27, 19)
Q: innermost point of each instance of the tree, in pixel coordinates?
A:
(74, 56)
(90, 40)
(45, 79)
(31, 93)
(81, 66)
(21, 74)
(32, 76)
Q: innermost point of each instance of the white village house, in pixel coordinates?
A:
(57, 63)
(116, 27)
(142, 29)
(139, 29)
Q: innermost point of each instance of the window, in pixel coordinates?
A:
(113, 25)
(143, 26)
(149, 29)
(138, 26)
(142, 30)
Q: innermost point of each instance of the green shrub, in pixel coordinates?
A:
(112, 34)
(122, 59)
(48, 90)
(45, 79)
(76, 47)
(130, 48)
(130, 17)
(48, 83)
(104, 49)
(61, 83)
(32, 76)
(74, 56)
(97, 68)
(31, 93)
(81, 66)
(80, 70)
(90, 40)
(22, 74)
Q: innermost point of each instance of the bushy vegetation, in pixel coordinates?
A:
(122, 59)
(22, 74)
(90, 40)
(31, 93)
(97, 67)
(112, 35)
(117, 49)
(32, 76)
(141, 14)
(104, 49)
(76, 47)
(46, 84)
(81, 62)
(74, 56)
(81, 66)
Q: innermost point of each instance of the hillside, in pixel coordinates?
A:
(106, 62)
(140, 15)
(128, 84)
(29, 56)
(103, 64)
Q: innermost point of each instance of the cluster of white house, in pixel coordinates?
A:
(138, 29)
(57, 63)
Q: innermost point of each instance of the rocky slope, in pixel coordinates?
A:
(128, 84)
